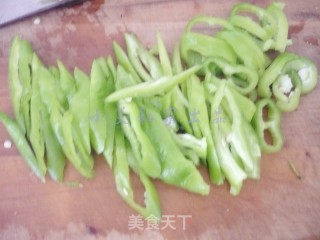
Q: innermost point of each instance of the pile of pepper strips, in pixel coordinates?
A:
(159, 116)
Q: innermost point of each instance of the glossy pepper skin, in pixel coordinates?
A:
(18, 137)
(176, 169)
(272, 124)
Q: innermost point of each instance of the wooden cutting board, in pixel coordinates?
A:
(279, 206)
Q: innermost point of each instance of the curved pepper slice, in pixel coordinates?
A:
(246, 49)
(290, 75)
(272, 73)
(307, 73)
(287, 90)
(242, 78)
(264, 29)
(280, 39)
(196, 47)
(272, 124)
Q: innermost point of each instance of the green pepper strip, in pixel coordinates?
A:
(176, 169)
(195, 47)
(266, 27)
(97, 115)
(148, 89)
(24, 69)
(55, 157)
(272, 73)
(247, 106)
(272, 124)
(141, 59)
(66, 132)
(62, 98)
(201, 126)
(16, 85)
(36, 136)
(67, 82)
(233, 73)
(123, 156)
(143, 149)
(54, 153)
(124, 61)
(243, 138)
(281, 36)
(22, 145)
(174, 99)
(166, 68)
(74, 149)
(232, 171)
(249, 52)
(79, 106)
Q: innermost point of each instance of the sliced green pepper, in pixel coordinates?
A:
(234, 74)
(143, 149)
(97, 114)
(124, 61)
(20, 81)
(264, 29)
(22, 145)
(197, 102)
(146, 65)
(151, 88)
(123, 155)
(272, 124)
(272, 73)
(79, 106)
(287, 90)
(36, 106)
(176, 169)
(196, 47)
(67, 82)
(280, 39)
(248, 53)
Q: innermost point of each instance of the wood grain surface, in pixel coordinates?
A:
(279, 206)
